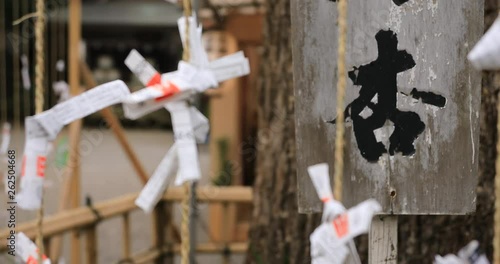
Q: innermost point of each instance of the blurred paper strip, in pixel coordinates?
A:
(43, 128)
(4, 147)
(157, 184)
(25, 74)
(27, 251)
(329, 241)
(486, 53)
(185, 140)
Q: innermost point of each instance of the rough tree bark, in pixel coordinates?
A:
(278, 233)
(423, 237)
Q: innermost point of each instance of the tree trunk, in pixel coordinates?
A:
(279, 234)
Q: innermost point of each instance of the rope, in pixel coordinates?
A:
(185, 247)
(341, 86)
(39, 79)
(496, 235)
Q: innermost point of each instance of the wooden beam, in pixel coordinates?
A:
(77, 218)
(206, 248)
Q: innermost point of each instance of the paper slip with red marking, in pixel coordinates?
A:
(27, 251)
(321, 181)
(33, 165)
(82, 105)
(191, 77)
(158, 182)
(486, 54)
(43, 128)
(167, 169)
(332, 236)
(4, 147)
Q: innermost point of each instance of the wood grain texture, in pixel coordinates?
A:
(383, 240)
(440, 178)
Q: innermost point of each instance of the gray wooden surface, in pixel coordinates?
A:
(440, 178)
(383, 245)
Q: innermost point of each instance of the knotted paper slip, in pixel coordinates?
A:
(172, 90)
(43, 128)
(332, 241)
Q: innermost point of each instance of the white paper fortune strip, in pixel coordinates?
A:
(328, 241)
(43, 128)
(189, 167)
(27, 250)
(321, 181)
(4, 147)
(158, 183)
(470, 254)
(82, 105)
(25, 74)
(486, 54)
(33, 165)
(154, 189)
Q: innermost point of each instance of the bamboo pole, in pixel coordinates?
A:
(82, 216)
(74, 34)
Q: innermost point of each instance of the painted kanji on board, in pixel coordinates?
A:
(412, 104)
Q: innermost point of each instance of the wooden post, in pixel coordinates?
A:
(126, 236)
(383, 240)
(226, 257)
(91, 244)
(75, 27)
(159, 230)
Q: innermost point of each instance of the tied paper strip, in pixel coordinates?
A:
(33, 165)
(470, 254)
(96, 99)
(194, 76)
(334, 211)
(43, 128)
(25, 74)
(321, 181)
(486, 53)
(27, 250)
(152, 192)
(328, 241)
(161, 178)
(189, 167)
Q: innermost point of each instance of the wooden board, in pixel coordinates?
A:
(423, 45)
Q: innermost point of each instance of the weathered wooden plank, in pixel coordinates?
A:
(383, 240)
(428, 52)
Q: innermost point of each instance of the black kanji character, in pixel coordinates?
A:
(378, 93)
